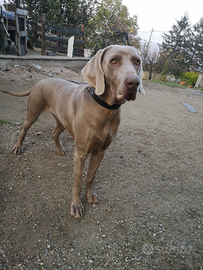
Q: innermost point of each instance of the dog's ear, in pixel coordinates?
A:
(141, 89)
(93, 73)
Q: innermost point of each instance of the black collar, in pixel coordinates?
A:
(101, 102)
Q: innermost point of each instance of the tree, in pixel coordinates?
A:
(150, 59)
(197, 46)
(69, 13)
(176, 45)
(184, 46)
(106, 21)
(111, 24)
(169, 62)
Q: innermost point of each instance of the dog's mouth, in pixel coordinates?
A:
(131, 95)
(125, 94)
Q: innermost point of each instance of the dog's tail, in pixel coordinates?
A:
(23, 94)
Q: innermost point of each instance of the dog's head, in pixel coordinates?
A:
(117, 68)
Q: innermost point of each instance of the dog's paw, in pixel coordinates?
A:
(61, 151)
(77, 210)
(17, 150)
(92, 198)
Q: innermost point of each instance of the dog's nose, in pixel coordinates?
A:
(132, 82)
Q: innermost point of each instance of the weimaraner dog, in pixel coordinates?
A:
(91, 114)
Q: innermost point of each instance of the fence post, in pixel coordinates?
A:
(43, 35)
(57, 43)
(62, 38)
(35, 32)
(82, 39)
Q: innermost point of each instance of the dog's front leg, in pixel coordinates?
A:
(95, 160)
(77, 209)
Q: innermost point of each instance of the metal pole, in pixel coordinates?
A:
(149, 40)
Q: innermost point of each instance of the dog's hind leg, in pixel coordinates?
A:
(34, 109)
(57, 131)
(18, 148)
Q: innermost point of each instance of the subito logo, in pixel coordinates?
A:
(147, 249)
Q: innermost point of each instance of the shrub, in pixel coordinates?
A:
(190, 77)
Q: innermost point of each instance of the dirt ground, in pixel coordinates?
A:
(149, 183)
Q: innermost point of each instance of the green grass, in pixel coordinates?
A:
(6, 122)
(3, 122)
(170, 84)
(38, 121)
(175, 84)
(23, 110)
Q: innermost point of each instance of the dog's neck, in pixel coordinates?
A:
(100, 100)
(108, 97)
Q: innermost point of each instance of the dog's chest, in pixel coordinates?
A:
(106, 133)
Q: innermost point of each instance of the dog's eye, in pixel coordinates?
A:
(137, 62)
(113, 61)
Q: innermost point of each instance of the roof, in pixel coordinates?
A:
(7, 14)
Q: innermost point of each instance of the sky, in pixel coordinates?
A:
(160, 15)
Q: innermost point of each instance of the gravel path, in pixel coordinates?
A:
(149, 183)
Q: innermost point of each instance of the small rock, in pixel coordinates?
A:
(38, 133)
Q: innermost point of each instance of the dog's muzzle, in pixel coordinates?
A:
(131, 84)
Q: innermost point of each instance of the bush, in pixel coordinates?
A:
(190, 77)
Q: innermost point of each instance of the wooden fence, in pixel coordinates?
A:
(54, 38)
